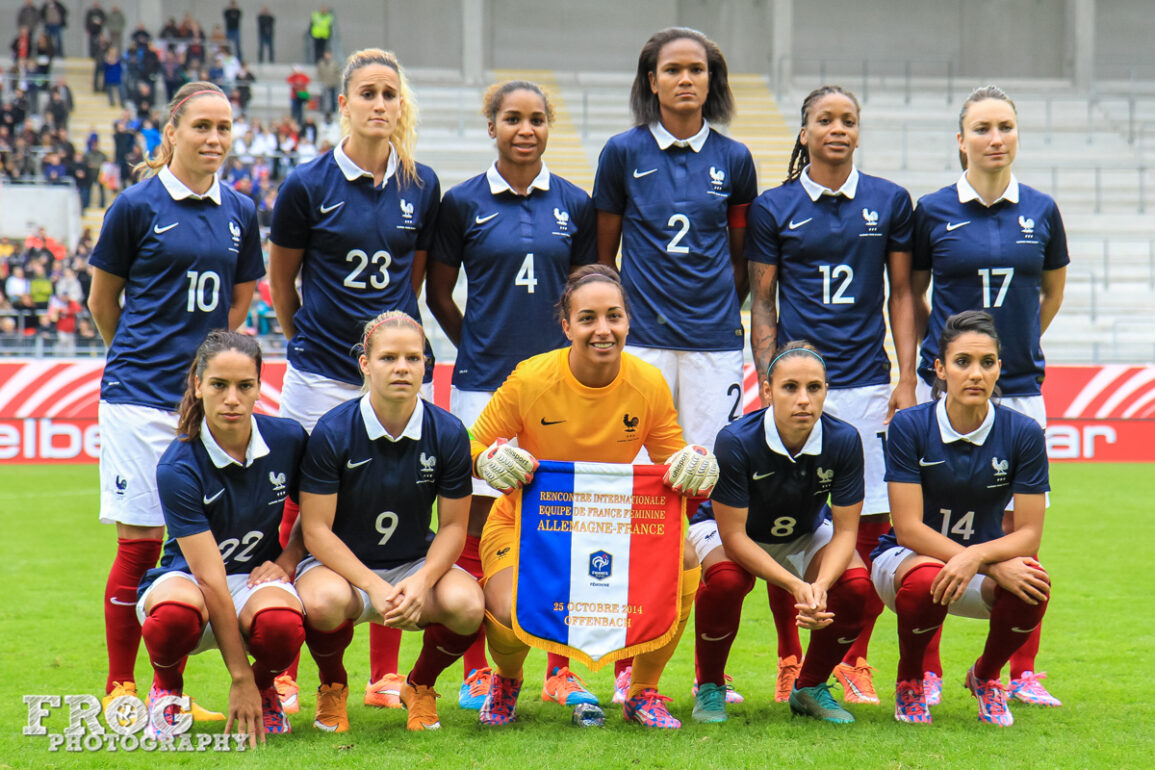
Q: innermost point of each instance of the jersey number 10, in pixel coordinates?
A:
(204, 291)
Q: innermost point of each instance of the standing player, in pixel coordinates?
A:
(222, 487)
(823, 248)
(953, 465)
(355, 225)
(518, 230)
(777, 469)
(184, 252)
(372, 472)
(991, 243)
(673, 193)
(592, 384)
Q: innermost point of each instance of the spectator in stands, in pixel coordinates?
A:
(16, 286)
(99, 47)
(298, 92)
(217, 37)
(63, 311)
(151, 135)
(114, 26)
(172, 71)
(114, 77)
(141, 36)
(57, 111)
(265, 24)
(53, 169)
(28, 17)
(22, 46)
(43, 52)
(329, 76)
(321, 30)
(124, 139)
(55, 17)
(93, 26)
(94, 159)
(244, 80)
(144, 99)
(170, 31)
(39, 285)
(232, 16)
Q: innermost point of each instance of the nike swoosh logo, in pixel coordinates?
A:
(1018, 630)
(956, 225)
(551, 422)
(708, 638)
(760, 476)
(207, 500)
(114, 600)
(351, 465)
(334, 207)
(159, 230)
(640, 174)
(795, 225)
(924, 464)
(483, 220)
(924, 630)
(844, 640)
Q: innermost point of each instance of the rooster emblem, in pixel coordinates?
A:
(406, 208)
(428, 463)
(717, 176)
(277, 480)
(870, 217)
(631, 423)
(1000, 466)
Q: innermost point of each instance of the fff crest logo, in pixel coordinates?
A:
(601, 565)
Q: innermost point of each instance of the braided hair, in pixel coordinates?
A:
(800, 157)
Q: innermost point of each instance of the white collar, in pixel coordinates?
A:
(967, 193)
(376, 430)
(353, 172)
(813, 445)
(179, 190)
(666, 140)
(816, 191)
(950, 435)
(257, 447)
(498, 185)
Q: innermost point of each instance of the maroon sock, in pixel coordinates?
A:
(717, 614)
(622, 665)
(328, 649)
(275, 640)
(288, 519)
(121, 628)
(470, 561)
(932, 658)
(384, 648)
(919, 620)
(782, 608)
(869, 531)
(1023, 659)
(847, 600)
(171, 631)
(1012, 622)
(554, 661)
(439, 649)
(293, 668)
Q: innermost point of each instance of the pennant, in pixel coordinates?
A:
(599, 571)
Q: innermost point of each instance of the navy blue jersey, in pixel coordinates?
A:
(786, 497)
(180, 260)
(386, 489)
(518, 251)
(674, 205)
(359, 242)
(990, 259)
(203, 489)
(831, 259)
(966, 482)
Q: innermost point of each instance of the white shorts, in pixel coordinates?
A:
(885, 567)
(703, 535)
(467, 405)
(239, 589)
(1032, 406)
(706, 385)
(865, 409)
(391, 576)
(796, 555)
(306, 397)
(132, 439)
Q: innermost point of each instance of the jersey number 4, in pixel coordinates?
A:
(525, 275)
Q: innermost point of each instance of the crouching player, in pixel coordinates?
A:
(223, 485)
(777, 469)
(952, 466)
(372, 471)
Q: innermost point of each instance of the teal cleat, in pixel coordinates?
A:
(710, 703)
(817, 702)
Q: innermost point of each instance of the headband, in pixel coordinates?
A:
(198, 93)
(770, 368)
(390, 317)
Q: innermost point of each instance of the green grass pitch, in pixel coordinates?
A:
(1098, 648)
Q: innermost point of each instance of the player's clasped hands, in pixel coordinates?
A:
(951, 583)
(1024, 577)
(506, 467)
(810, 601)
(693, 471)
(408, 600)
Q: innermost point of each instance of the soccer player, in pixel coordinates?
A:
(993, 244)
(673, 193)
(517, 230)
(222, 486)
(953, 465)
(183, 251)
(372, 472)
(822, 249)
(568, 405)
(778, 467)
(355, 224)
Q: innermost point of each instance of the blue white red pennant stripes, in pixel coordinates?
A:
(600, 560)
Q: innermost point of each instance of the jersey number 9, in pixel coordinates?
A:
(386, 525)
